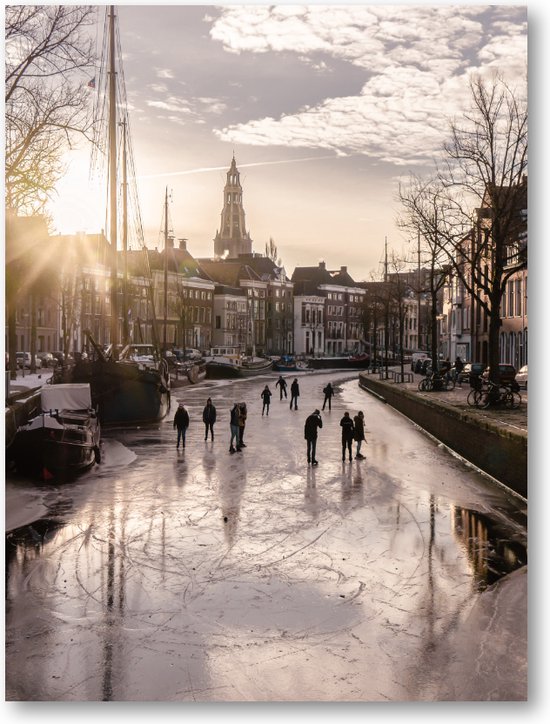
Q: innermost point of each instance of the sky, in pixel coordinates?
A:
(325, 107)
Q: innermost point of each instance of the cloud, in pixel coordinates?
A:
(164, 73)
(417, 62)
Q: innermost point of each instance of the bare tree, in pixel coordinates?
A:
(474, 210)
(272, 253)
(47, 104)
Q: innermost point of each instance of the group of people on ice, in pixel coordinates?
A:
(352, 429)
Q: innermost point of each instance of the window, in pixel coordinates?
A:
(518, 298)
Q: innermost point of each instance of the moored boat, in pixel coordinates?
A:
(62, 440)
(229, 363)
(124, 391)
(285, 363)
(352, 362)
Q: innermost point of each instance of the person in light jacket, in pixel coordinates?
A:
(181, 422)
(234, 427)
(209, 418)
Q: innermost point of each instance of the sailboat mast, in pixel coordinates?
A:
(165, 347)
(113, 180)
(125, 330)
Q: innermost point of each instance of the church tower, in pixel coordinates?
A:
(232, 239)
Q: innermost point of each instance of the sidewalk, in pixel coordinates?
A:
(515, 419)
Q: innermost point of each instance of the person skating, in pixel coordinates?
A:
(181, 422)
(329, 392)
(234, 427)
(242, 423)
(359, 433)
(313, 424)
(281, 384)
(294, 393)
(209, 418)
(346, 423)
(266, 397)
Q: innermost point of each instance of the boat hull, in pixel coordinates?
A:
(223, 370)
(123, 392)
(348, 363)
(61, 453)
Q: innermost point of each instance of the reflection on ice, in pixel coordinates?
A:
(196, 575)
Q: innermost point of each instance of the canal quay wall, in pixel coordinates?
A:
(495, 447)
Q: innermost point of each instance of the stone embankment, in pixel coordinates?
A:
(493, 440)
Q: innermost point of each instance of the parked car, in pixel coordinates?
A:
(60, 357)
(471, 369)
(417, 359)
(507, 373)
(426, 366)
(521, 377)
(24, 360)
(47, 359)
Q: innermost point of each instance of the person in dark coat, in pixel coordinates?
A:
(346, 423)
(181, 421)
(209, 418)
(242, 424)
(234, 427)
(266, 397)
(359, 433)
(313, 424)
(281, 384)
(329, 392)
(294, 393)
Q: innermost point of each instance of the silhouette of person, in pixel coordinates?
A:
(329, 392)
(346, 423)
(294, 393)
(281, 383)
(312, 425)
(209, 418)
(266, 397)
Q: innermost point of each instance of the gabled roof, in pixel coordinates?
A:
(315, 275)
(228, 273)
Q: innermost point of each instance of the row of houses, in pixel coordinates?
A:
(60, 293)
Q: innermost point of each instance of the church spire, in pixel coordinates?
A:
(232, 239)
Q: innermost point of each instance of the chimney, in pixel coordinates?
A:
(183, 244)
(344, 269)
(170, 242)
(322, 265)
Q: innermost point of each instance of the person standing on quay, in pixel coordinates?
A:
(181, 421)
(266, 397)
(234, 427)
(313, 423)
(242, 423)
(281, 383)
(209, 418)
(329, 392)
(294, 393)
(346, 423)
(359, 433)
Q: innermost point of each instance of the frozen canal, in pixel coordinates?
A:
(167, 575)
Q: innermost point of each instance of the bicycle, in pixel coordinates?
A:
(495, 395)
(435, 382)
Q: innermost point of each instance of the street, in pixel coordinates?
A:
(196, 575)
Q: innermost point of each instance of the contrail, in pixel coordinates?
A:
(206, 169)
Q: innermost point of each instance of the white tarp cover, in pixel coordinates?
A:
(75, 396)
